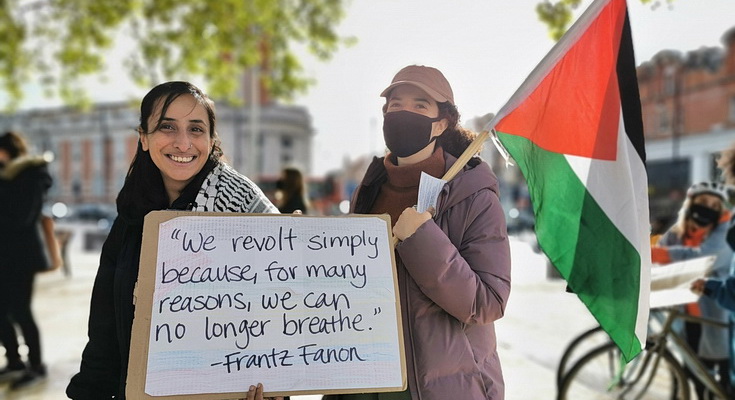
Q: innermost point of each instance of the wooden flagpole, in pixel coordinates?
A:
(470, 151)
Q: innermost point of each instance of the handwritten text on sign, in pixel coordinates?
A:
(297, 303)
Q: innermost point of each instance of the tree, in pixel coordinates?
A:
(58, 43)
(558, 15)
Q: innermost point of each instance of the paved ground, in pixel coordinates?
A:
(540, 320)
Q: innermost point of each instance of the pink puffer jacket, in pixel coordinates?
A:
(454, 282)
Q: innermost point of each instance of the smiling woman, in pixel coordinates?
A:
(177, 166)
(179, 143)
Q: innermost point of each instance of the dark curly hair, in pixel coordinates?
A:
(455, 138)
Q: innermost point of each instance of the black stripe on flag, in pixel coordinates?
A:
(629, 94)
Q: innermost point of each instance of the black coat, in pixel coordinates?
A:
(296, 202)
(103, 371)
(23, 186)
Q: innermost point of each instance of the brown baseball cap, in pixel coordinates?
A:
(428, 79)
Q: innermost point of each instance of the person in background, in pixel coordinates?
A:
(700, 231)
(453, 261)
(723, 290)
(178, 165)
(291, 192)
(726, 164)
(24, 181)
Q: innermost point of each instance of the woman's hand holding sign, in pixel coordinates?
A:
(256, 393)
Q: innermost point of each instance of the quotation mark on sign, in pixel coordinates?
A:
(376, 311)
(175, 234)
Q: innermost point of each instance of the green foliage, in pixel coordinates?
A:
(558, 15)
(60, 42)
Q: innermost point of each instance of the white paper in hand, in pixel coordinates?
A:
(670, 283)
(429, 188)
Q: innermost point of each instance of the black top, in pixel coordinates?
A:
(104, 367)
(21, 200)
(293, 204)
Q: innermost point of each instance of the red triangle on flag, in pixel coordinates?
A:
(575, 109)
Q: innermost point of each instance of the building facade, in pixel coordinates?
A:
(688, 106)
(688, 110)
(92, 150)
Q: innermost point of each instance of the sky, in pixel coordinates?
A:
(485, 48)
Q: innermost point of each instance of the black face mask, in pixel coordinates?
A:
(406, 132)
(703, 216)
(280, 184)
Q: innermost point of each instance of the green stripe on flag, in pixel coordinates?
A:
(599, 264)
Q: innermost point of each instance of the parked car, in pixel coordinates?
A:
(99, 213)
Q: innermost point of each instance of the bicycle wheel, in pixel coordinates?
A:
(579, 345)
(649, 376)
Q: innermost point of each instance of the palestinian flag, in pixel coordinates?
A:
(574, 127)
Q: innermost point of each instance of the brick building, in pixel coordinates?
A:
(93, 149)
(688, 105)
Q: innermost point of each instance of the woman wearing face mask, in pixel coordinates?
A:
(178, 165)
(700, 231)
(453, 263)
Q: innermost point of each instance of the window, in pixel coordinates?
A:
(663, 118)
(286, 142)
(670, 81)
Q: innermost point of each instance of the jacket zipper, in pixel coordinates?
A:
(409, 325)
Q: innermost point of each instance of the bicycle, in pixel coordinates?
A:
(656, 373)
(590, 338)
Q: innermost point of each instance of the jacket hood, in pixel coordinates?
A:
(475, 176)
(20, 164)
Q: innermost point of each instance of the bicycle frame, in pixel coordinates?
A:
(682, 348)
(665, 361)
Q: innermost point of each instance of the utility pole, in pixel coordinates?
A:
(254, 121)
(678, 110)
(107, 159)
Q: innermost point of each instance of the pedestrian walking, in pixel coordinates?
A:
(24, 181)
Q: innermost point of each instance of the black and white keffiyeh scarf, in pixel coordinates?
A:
(226, 190)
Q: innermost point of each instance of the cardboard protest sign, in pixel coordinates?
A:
(302, 304)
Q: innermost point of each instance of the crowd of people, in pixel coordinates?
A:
(452, 260)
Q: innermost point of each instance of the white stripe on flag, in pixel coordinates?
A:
(620, 189)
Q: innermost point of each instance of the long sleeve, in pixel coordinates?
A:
(470, 281)
(713, 245)
(21, 198)
(99, 373)
(723, 292)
